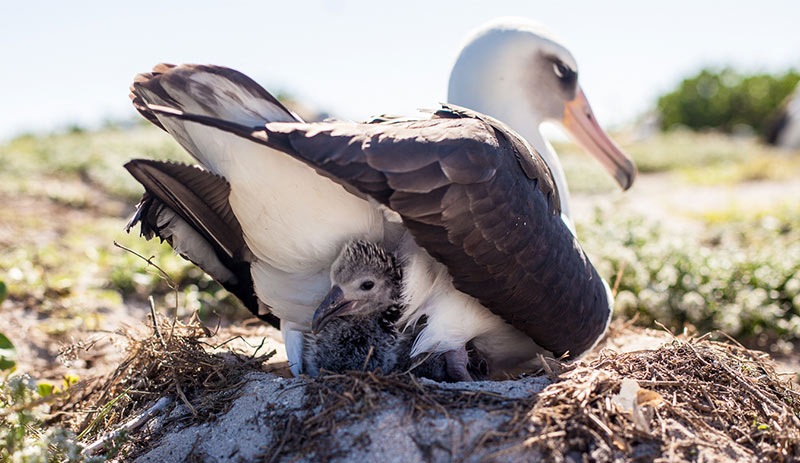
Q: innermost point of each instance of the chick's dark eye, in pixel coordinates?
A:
(367, 285)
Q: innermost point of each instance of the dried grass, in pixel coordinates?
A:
(339, 401)
(697, 400)
(173, 361)
(697, 396)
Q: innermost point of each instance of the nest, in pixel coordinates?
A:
(691, 396)
(339, 401)
(173, 361)
(691, 399)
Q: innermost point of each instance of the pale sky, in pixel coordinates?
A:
(65, 62)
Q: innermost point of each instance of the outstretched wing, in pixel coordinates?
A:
(476, 198)
(188, 207)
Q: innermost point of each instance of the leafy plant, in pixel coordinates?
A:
(726, 100)
(23, 435)
(741, 276)
(8, 354)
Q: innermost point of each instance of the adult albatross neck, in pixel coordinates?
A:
(517, 71)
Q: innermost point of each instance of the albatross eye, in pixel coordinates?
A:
(561, 71)
(367, 285)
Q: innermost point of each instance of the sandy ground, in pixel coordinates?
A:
(254, 423)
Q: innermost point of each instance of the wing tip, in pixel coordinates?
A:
(150, 81)
(157, 85)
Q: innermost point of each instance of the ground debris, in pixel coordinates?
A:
(692, 399)
(174, 361)
(340, 402)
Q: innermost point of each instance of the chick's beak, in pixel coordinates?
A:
(580, 122)
(335, 304)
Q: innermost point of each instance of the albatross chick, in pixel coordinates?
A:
(354, 326)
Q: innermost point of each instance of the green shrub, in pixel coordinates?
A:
(741, 276)
(8, 354)
(726, 100)
(23, 435)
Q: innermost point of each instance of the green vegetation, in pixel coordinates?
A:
(24, 437)
(740, 276)
(713, 158)
(736, 272)
(683, 150)
(96, 158)
(8, 354)
(726, 100)
(75, 197)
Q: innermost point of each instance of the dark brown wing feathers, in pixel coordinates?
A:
(476, 198)
(178, 77)
(201, 199)
(464, 197)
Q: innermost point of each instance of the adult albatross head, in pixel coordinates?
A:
(517, 71)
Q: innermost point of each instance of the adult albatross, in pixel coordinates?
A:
(471, 209)
(519, 72)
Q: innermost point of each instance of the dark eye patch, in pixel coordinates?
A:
(564, 73)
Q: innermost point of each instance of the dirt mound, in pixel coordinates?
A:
(690, 399)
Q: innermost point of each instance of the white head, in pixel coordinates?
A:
(517, 71)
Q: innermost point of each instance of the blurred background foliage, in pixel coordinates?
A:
(726, 100)
(739, 274)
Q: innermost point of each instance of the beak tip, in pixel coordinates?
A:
(627, 182)
(630, 177)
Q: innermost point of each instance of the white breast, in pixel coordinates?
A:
(455, 318)
(294, 221)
